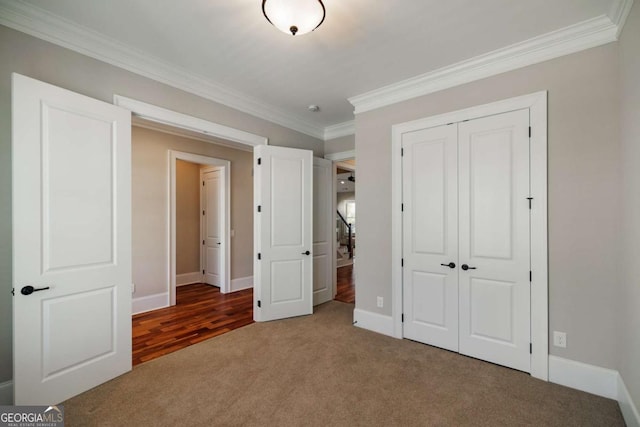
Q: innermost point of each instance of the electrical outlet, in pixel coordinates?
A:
(133, 288)
(560, 339)
(380, 302)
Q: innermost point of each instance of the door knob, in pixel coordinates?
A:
(465, 267)
(28, 290)
(450, 265)
(306, 253)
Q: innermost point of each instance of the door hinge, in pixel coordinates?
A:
(259, 303)
(402, 262)
(402, 317)
(203, 242)
(529, 131)
(529, 199)
(401, 207)
(530, 276)
(259, 208)
(259, 255)
(203, 183)
(203, 212)
(13, 291)
(401, 152)
(259, 160)
(203, 272)
(530, 348)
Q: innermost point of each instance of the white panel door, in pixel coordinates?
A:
(430, 236)
(283, 269)
(71, 242)
(494, 239)
(212, 226)
(322, 230)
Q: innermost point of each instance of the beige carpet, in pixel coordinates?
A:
(321, 370)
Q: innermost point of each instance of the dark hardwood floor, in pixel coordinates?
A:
(201, 312)
(346, 285)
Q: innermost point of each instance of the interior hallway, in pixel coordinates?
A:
(202, 312)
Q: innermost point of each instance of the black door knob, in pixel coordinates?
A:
(465, 267)
(306, 253)
(450, 265)
(28, 290)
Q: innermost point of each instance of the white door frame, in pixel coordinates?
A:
(230, 137)
(225, 254)
(537, 105)
(336, 158)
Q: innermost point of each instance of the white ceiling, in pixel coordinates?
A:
(362, 45)
(348, 186)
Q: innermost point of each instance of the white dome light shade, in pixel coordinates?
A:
(294, 16)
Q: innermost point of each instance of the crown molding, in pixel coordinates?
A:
(44, 25)
(340, 129)
(584, 35)
(618, 13)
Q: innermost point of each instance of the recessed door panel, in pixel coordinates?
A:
(429, 215)
(429, 298)
(60, 349)
(286, 210)
(321, 264)
(492, 310)
(77, 206)
(286, 280)
(491, 180)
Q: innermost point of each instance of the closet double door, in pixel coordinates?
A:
(466, 234)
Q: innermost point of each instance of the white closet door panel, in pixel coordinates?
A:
(430, 289)
(494, 239)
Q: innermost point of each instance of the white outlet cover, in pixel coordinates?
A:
(560, 339)
(380, 302)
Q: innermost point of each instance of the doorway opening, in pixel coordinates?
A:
(186, 228)
(200, 233)
(346, 231)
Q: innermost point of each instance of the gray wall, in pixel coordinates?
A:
(52, 64)
(187, 213)
(338, 145)
(629, 304)
(584, 182)
(150, 195)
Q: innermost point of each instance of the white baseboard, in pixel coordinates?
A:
(6, 393)
(241, 283)
(373, 321)
(581, 376)
(188, 278)
(628, 408)
(150, 302)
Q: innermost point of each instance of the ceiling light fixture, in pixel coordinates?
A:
(294, 16)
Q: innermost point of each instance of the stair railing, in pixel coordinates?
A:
(349, 239)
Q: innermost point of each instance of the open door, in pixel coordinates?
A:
(323, 231)
(71, 242)
(212, 227)
(283, 218)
